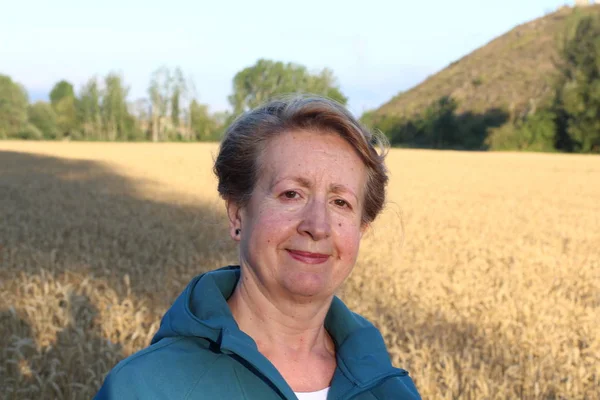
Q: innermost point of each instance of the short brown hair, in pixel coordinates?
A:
(237, 166)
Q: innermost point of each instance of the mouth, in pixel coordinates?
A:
(308, 257)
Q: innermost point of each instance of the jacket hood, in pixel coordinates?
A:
(202, 312)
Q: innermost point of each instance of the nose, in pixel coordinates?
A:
(315, 220)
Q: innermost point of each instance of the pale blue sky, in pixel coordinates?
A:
(376, 48)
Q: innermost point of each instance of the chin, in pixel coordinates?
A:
(307, 284)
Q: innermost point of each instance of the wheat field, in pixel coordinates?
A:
(483, 272)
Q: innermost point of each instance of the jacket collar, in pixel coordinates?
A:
(202, 311)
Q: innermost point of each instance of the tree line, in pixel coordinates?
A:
(566, 121)
(101, 111)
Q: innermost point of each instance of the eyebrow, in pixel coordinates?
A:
(335, 188)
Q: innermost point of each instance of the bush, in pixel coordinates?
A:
(535, 132)
(30, 132)
(43, 117)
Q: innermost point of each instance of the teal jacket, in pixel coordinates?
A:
(199, 353)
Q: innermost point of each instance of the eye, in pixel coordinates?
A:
(290, 194)
(341, 203)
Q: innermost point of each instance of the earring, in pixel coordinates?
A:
(237, 232)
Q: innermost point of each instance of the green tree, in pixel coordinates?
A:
(117, 121)
(170, 98)
(178, 91)
(438, 125)
(13, 108)
(205, 127)
(160, 97)
(392, 126)
(90, 117)
(30, 132)
(266, 79)
(43, 117)
(64, 103)
(141, 111)
(535, 132)
(578, 83)
(61, 90)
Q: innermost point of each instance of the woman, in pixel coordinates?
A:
(301, 182)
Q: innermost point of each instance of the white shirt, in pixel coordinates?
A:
(318, 395)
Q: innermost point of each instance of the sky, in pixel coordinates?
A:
(376, 48)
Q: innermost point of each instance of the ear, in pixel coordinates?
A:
(235, 221)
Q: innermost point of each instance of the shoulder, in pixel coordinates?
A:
(170, 368)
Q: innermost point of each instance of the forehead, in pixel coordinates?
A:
(311, 154)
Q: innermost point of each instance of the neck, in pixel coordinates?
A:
(280, 325)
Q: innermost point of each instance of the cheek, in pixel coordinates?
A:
(349, 236)
(271, 224)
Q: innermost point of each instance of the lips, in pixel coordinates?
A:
(308, 257)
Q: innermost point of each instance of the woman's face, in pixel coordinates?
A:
(301, 229)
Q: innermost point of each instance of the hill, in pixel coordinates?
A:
(511, 73)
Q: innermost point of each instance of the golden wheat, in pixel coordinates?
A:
(482, 273)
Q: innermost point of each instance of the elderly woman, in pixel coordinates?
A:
(301, 181)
